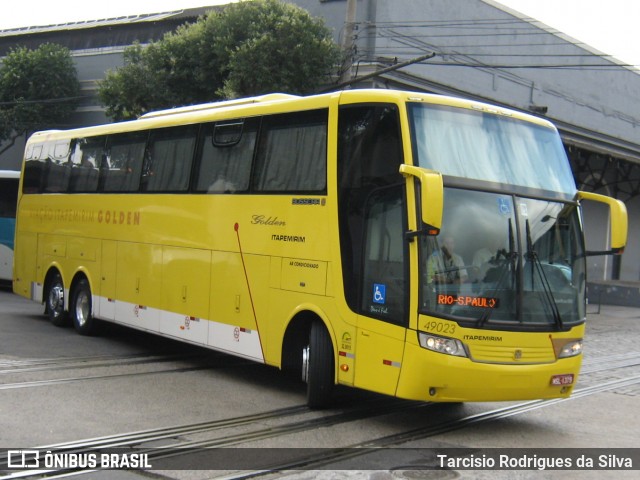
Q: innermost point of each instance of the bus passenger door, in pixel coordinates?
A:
(383, 298)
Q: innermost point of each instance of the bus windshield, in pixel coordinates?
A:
(524, 264)
(490, 147)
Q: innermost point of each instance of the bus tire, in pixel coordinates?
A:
(80, 309)
(54, 301)
(318, 366)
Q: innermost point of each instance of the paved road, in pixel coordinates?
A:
(56, 386)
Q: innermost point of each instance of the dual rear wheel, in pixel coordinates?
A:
(80, 305)
(318, 366)
(54, 301)
(80, 309)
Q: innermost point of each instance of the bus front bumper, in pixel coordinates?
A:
(436, 377)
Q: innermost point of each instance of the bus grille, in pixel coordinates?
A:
(511, 355)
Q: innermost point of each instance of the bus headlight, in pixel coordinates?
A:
(571, 349)
(449, 346)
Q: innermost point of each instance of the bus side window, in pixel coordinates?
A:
(85, 161)
(35, 168)
(226, 154)
(292, 153)
(8, 198)
(168, 160)
(59, 171)
(121, 164)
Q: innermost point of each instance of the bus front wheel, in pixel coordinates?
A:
(81, 309)
(54, 301)
(317, 366)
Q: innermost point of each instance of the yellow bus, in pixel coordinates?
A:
(420, 246)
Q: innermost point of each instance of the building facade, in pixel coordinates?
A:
(478, 49)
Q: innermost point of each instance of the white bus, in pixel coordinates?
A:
(9, 180)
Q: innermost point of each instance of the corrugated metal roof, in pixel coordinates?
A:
(107, 22)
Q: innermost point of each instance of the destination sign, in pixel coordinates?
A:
(468, 301)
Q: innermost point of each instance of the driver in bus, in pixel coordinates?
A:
(446, 266)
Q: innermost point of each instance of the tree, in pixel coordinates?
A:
(247, 48)
(136, 88)
(288, 51)
(39, 89)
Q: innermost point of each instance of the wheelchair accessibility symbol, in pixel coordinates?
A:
(503, 206)
(379, 293)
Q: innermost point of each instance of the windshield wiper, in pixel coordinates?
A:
(532, 255)
(509, 263)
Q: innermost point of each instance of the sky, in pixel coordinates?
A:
(609, 26)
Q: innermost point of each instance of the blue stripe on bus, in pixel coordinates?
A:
(7, 231)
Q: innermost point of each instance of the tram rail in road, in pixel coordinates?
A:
(204, 406)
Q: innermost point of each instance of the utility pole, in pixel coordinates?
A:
(348, 40)
(397, 66)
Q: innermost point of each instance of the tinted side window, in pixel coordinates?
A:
(226, 156)
(46, 168)
(58, 172)
(87, 156)
(169, 158)
(121, 170)
(292, 153)
(34, 168)
(8, 197)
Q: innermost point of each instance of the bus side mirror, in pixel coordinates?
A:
(431, 197)
(618, 219)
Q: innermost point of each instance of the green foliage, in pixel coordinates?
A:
(39, 89)
(247, 48)
(288, 50)
(134, 89)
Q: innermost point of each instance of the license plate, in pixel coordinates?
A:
(566, 379)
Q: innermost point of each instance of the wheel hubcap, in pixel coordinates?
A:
(56, 299)
(305, 364)
(82, 308)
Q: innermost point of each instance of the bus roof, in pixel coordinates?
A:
(225, 103)
(9, 174)
(281, 102)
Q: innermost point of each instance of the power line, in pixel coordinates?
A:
(505, 45)
(534, 66)
(414, 43)
(537, 66)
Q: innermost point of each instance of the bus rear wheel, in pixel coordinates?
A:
(54, 301)
(80, 308)
(318, 366)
